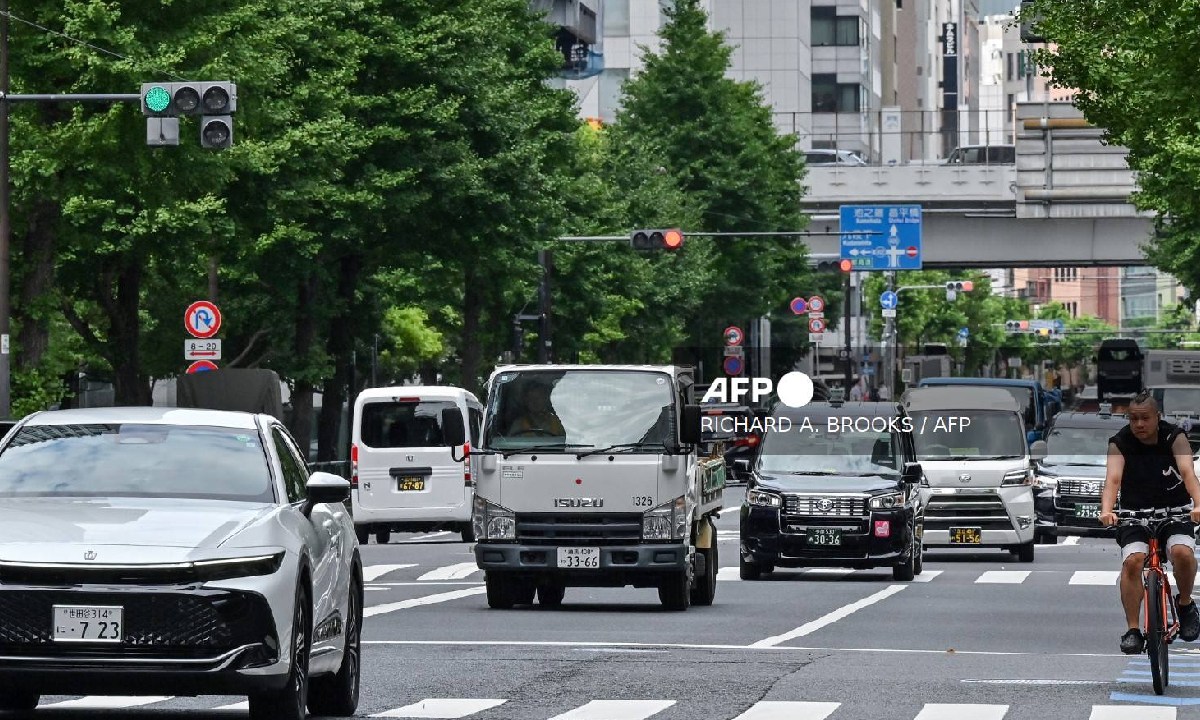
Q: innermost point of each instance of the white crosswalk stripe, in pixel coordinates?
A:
(106, 702)
(1095, 577)
(1131, 712)
(940, 711)
(374, 572)
(1003, 577)
(787, 710)
(242, 706)
(458, 571)
(374, 610)
(441, 708)
(616, 710)
(927, 576)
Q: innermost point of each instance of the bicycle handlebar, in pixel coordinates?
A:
(1181, 513)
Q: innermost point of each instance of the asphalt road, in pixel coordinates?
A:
(977, 637)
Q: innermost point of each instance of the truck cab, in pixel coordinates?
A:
(591, 475)
(978, 462)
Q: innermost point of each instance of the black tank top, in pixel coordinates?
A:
(1152, 478)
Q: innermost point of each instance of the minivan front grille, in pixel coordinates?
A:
(825, 505)
(981, 510)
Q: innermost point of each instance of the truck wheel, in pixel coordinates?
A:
(918, 555)
(1025, 552)
(468, 533)
(363, 533)
(706, 585)
(748, 570)
(523, 592)
(382, 536)
(500, 595)
(551, 594)
(674, 592)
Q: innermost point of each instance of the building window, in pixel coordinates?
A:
(1022, 65)
(1066, 274)
(1010, 67)
(830, 29)
(828, 95)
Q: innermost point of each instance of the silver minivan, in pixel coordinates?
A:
(403, 477)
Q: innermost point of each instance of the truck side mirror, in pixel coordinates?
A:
(912, 473)
(689, 425)
(453, 431)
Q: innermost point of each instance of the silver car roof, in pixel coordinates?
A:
(148, 415)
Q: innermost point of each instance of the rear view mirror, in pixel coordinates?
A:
(453, 432)
(689, 425)
(912, 473)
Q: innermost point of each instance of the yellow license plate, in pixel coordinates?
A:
(965, 536)
(411, 483)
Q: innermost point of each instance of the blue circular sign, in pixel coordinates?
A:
(888, 299)
(799, 305)
(733, 365)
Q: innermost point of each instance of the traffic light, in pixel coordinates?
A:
(218, 101)
(214, 102)
(669, 239)
(954, 287)
(1043, 332)
(835, 266)
(1016, 326)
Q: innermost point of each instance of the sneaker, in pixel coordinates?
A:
(1189, 620)
(1132, 642)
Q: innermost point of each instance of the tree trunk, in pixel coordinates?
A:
(472, 302)
(130, 387)
(37, 260)
(302, 393)
(340, 347)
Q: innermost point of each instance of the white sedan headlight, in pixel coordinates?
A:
(493, 522)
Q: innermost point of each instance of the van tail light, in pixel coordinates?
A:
(354, 467)
(748, 441)
(467, 464)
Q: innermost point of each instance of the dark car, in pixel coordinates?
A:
(1118, 367)
(1069, 479)
(819, 498)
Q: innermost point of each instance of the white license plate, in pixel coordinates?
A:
(585, 558)
(88, 623)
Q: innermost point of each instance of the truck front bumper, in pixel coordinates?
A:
(620, 565)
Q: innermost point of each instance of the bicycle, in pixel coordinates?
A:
(1158, 601)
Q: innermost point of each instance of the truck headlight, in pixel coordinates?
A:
(764, 498)
(887, 502)
(1018, 477)
(665, 522)
(493, 522)
(1046, 482)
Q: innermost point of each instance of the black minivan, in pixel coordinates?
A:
(834, 485)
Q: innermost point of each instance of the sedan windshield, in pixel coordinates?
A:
(577, 410)
(168, 461)
(816, 451)
(943, 435)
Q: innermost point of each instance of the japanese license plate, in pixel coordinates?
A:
(409, 482)
(587, 558)
(965, 536)
(88, 623)
(825, 537)
(1087, 510)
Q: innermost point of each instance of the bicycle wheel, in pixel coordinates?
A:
(1156, 640)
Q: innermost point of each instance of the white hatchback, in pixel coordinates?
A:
(403, 477)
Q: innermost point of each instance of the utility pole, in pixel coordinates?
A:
(545, 307)
(5, 222)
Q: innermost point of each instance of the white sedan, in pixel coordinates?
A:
(160, 551)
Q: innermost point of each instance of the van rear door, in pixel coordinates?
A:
(402, 462)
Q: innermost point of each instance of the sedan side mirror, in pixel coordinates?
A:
(912, 473)
(453, 432)
(325, 488)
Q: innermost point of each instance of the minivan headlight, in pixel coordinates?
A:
(665, 522)
(888, 501)
(763, 498)
(1018, 477)
(493, 522)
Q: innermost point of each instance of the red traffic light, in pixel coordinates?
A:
(845, 265)
(672, 239)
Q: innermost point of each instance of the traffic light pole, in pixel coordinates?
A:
(545, 307)
(849, 374)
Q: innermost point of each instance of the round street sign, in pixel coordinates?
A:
(201, 366)
(911, 251)
(734, 335)
(816, 303)
(799, 305)
(733, 365)
(816, 325)
(202, 319)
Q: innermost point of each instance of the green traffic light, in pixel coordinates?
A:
(158, 99)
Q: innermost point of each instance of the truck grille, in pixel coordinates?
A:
(975, 510)
(595, 529)
(825, 505)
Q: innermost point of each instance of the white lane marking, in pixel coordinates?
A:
(386, 585)
(427, 600)
(374, 572)
(829, 618)
(1005, 577)
(242, 706)
(442, 708)
(960, 711)
(457, 571)
(1073, 540)
(829, 571)
(780, 710)
(105, 702)
(1131, 712)
(1095, 577)
(729, 573)
(927, 575)
(430, 536)
(616, 710)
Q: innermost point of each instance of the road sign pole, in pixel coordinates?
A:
(846, 333)
(889, 357)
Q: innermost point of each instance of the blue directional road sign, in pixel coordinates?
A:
(964, 333)
(888, 299)
(881, 237)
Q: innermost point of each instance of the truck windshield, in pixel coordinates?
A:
(820, 452)
(1078, 446)
(942, 435)
(580, 409)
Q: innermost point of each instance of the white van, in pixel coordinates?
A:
(972, 447)
(403, 477)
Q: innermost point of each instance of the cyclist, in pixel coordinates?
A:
(1150, 465)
